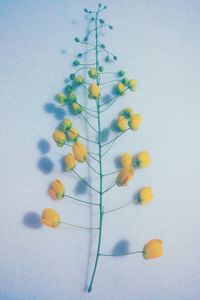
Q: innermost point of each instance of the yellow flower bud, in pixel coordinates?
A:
(121, 123)
(94, 91)
(93, 73)
(52, 193)
(66, 125)
(58, 188)
(61, 98)
(128, 112)
(120, 89)
(153, 249)
(126, 160)
(69, 161)
(132, 84)
(77, 108)
(80, 152)
(59, 137)
(73, 134)
(135, 121)
(143, 159)
(50, 217)
(145, 195)
(124, 176)
(79, 80)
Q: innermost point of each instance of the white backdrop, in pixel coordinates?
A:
(157, 43)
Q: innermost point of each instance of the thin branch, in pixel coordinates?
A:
(110, 146)
(85, 119)
(128, 253)
(118, 208)
(81, 227)
(91, 167)
(108, 189)
(114, 172)
(89, 153)
(82, 179)
(118, 135)
(79, 200)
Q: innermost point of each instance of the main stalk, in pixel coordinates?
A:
(100, 161)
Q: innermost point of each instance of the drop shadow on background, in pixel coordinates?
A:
(32, 220)
(121, 247)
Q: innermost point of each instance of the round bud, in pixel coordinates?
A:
(76, 62)
(72, 76)
(77, 40)
(101, 68)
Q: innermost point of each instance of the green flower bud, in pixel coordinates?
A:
(110, 26)
(101, 68)
(72, 76)
(66, 125)
(115, 57)
(85, 10)
(101, 21)
(71, 97)
(121, 73)
(79, 54)
(76, 62)
(103, 46)
(77, 40)
(107, 58)
(79, 80)
(125, 81)
(68, 88)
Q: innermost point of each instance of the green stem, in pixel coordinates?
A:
(128, 253)
(81, 227)
(100, 166)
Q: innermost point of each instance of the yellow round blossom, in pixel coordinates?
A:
(79, 80)
(132, 84)
(61, 98)
(77, 108)
(128, 112)
(52, 193)
(126, 160)
(135, 121)
(66, 125)
(120, 89)
(94, 91)
(145, 195)
(153, 249)
(79, 151)
(59, 137)
(93, 73)
(121, 123)
(73, 134)
(143, 159)
(50, 217)
(124, 176)
(69, 161)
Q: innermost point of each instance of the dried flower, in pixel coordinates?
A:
(153, 249)
(93, 73)
(94, 91)
(69, 161)
(132, 84)
(59, 137)
(135, 121)
(79, 151)
(126, 160)
(121, 123)
(124, 176)
(73, 134)
(145, 195)
(143, 159)
(50, 217)
(120, 89)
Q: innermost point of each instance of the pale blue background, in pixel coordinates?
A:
(158, 43)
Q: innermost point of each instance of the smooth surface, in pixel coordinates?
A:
(157, 42)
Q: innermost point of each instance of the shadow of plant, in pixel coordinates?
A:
(43, 146)
(121, 247)
(32, 220)
(45, 165)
